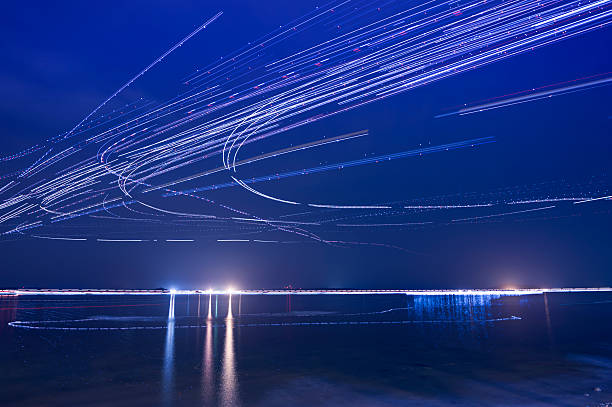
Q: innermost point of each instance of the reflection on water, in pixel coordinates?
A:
(453, 307)
(549, 331)
(399, 350)
(465, 317)
(171, 307)
(168, 368)
(229, 382)
(230, 316)
(208, 380)
(210, 306)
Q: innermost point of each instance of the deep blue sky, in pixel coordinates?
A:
(60, 59)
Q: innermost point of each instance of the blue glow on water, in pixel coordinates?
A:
(450, 350)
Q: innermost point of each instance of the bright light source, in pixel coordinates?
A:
(172, 291)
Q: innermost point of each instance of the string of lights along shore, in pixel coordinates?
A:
(290, 291)
(231, 292)
(140, 163)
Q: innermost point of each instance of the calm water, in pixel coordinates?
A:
(307, 350)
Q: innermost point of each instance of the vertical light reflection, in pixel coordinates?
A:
(199, 298)
(229, 382)
(210, 306)
(208, 390)
(168, 368)
(171, 307)
(229, 308)
(551, 339)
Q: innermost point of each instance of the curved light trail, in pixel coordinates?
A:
(144, 162)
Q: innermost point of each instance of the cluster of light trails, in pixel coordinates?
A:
(148, 161)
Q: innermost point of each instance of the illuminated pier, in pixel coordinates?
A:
(522, 291)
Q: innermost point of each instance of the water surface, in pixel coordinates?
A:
(360, 350)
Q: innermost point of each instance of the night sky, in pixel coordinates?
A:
(61, 59)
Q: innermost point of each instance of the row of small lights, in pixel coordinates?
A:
(230, 290)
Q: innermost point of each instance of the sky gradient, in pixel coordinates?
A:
(62, 60)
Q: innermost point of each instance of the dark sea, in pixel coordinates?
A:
(308, 350)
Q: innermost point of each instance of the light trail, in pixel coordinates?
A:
(267, 155)
(341, 165)
(120, 164)
(594, 199)
(530, 97)
(139, 74)
(121, 240)
(60, 238)
(543, 208)
(45, 324)
(382, 224)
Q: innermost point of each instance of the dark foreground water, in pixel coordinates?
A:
(536, 350)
